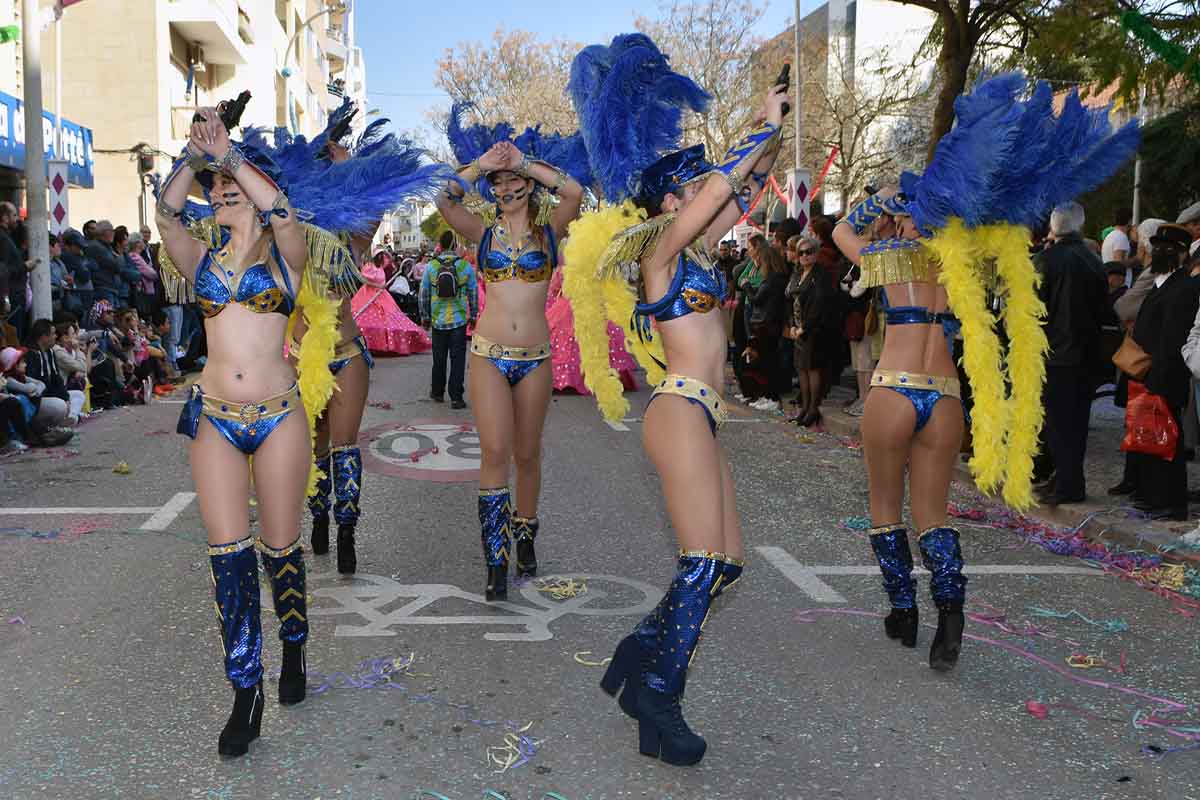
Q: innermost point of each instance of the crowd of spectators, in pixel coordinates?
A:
(113, 338)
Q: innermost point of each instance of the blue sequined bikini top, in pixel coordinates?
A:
(697, 286)
(256, 287)
(532, 266)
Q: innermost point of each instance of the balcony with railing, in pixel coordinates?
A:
(213, 26)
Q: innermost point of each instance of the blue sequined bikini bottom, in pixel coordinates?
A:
(245, 425)
(514, 363)
(695, 392)
(349, 351)
(923, 391)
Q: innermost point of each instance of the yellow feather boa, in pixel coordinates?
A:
(1023, 314)
(1005, 420)
(597, 299)
(317, 349)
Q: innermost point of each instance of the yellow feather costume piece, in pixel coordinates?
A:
(955, 247)
(1007, 388)
(601, 266)
(1023, 315)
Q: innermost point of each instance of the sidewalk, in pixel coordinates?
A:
(1100, 518)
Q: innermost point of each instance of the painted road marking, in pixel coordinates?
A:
(77, 510)
(171, 509)
(616, 426)
(381, 603)
(805, 575)
(804, 578)
(160, 516)
(443, 451)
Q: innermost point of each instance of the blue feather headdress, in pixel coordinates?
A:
(383, 172)
(630, 105)
(468, 142)
(1009, 160)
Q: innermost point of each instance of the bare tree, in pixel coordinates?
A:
(713, 43)
(515, 78)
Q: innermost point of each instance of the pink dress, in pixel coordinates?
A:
(565, 350)
(387, 329)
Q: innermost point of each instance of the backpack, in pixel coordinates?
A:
(446, 280)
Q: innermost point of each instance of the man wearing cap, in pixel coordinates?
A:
(79, 299)
(109, 284)
(1189, 218)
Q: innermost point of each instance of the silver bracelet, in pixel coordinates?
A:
(164, 210)
(232, 160)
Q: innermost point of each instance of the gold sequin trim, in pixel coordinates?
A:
(696, 390)
(249, 413)
(947, 387)
(899, 265)
(234, 547)
(266, 549)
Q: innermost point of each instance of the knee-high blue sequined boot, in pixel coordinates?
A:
(495, 519)
(319, 506)
(943, 558)
(890, 544)
(635, 653)
(285, 568)
(235, 586)
(525, 530)
(347, 488)
(662, 731)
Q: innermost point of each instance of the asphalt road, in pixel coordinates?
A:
(113, 686)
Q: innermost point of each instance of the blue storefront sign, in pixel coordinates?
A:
(76, 144)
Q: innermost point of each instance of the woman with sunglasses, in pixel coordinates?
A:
(809, 295)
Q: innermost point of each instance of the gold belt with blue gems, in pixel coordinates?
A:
(249, 413)
(482, 346)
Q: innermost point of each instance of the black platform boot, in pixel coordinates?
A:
(319, 507)
(524, 532)
(235, 586)
(347, 559)
(347, 488)
(896, 564)
(495, 513)
(244, 722)
(942, 556)
(285, 568)
(662, 731)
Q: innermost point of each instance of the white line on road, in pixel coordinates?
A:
(72, 510)
(805, 575)
(798, 574)
(616, 426)
(164, 516)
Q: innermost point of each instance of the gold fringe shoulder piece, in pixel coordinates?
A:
(330, 267)
(623, 256)
(175, 286)
(895, 261)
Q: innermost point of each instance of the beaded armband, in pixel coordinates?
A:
(162, 209)
(863, 214)
(282, 207)
(197, 163)
(740, 159)
(560, 177)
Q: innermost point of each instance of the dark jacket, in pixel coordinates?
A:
(41, 364)
(1161, 329)
(768, 305)
(1075, 292)
(12, 270)
(811, 298)
(114, 277)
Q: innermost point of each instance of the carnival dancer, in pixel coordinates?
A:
(675, 208)
(998, 173)
(245, 263)
(347, 183)
(508, 385)
(564, 349)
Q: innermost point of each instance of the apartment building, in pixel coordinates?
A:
(134, 71)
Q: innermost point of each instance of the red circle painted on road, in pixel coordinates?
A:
(437, 450)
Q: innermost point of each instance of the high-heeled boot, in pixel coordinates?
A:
(286, 570)
(635, 653)
(525, 530)
(892, 551)
(943, 558)
(347, 488)
(495, 515)
(662, 730)
(235, 586)
(319, 506)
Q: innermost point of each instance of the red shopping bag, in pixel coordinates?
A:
(1150, 427)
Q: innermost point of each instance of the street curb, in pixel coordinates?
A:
(1094, 520)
